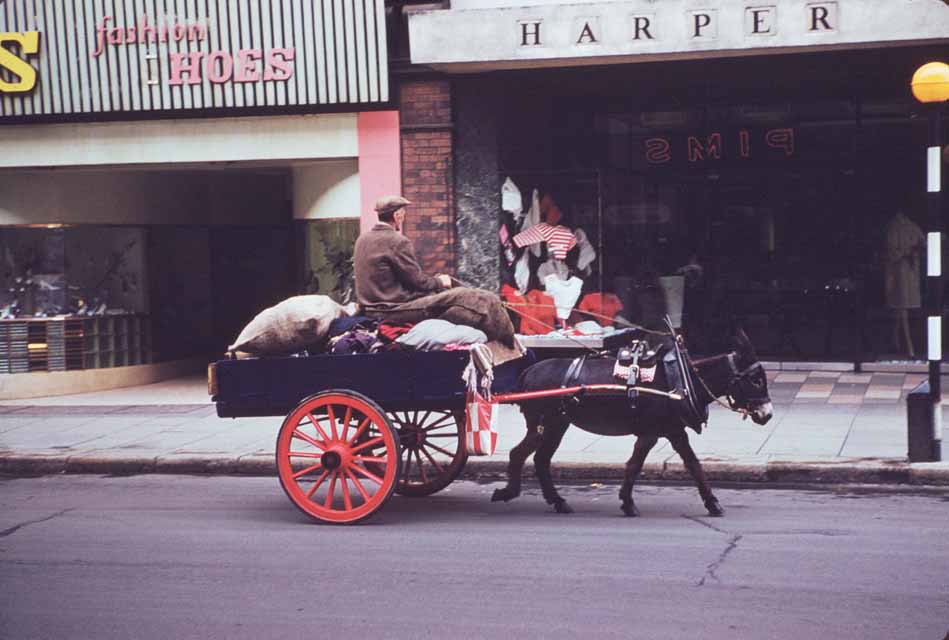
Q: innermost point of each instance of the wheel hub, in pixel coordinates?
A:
(330, 460)
(411, 436)
(337, 457)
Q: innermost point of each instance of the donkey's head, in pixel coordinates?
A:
(748, 388)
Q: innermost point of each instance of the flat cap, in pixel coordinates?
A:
(385, 204)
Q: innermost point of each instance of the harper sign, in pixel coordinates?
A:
(474, 36)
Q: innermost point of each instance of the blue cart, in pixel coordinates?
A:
(357, 427)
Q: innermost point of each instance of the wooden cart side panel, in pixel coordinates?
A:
(395, 380)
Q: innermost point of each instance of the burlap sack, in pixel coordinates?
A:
(289, 326)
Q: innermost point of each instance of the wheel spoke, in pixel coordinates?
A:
(328, 503)
(441, 423)
(362, 427)
(332, 417)
(441, 427)
(304, 454)
(316, 485)
(408, 464)
(302, 436)
(346, 420)
(368, 444)
(424, 418)
(441, 435)
(421, 468)
(368, 474)
(439, 449)
(306, 471)
(357, 484)
(435, 464)
(347, 502)
(381, 459)
(318, 427)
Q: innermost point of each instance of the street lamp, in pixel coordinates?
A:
(930, 86)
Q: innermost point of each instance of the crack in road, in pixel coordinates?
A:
(706, 524)
(17, 527)
(712, 568)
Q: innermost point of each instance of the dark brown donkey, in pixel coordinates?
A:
(736, 375)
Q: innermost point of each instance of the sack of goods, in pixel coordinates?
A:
(288, 327)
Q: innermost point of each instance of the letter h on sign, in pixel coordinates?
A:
(529, 33)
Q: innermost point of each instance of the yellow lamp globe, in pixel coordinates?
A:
(931, 82)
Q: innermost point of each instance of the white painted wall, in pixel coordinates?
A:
(328, 189)
(144, 197)
(180, 141)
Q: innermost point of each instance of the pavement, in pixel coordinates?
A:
(828, 427)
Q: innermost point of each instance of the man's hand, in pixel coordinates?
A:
(444, 280)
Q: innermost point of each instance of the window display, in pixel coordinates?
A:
(72, 298)
(717, 202)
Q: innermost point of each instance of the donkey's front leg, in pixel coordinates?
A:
(552, 435)
(644, 444)
(517, 457)
(680, 442)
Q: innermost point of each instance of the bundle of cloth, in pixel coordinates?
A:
(312, 324)
(362, 334)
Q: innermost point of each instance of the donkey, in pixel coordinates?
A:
(737, 375)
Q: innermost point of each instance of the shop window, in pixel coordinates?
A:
(775, 211)
(72, 298)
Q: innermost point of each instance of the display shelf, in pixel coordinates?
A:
(69, 344)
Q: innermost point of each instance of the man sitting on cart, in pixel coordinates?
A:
(391, 286)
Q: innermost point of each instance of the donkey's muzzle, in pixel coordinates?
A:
(762, 414)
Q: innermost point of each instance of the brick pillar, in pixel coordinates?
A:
(426, 132)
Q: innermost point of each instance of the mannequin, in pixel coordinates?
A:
(904, 245)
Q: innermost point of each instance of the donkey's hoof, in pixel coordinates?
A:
(562, 507)
(504, 495)
(714, 508)
(629, 509)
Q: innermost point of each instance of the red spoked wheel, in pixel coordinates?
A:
(433, 450)
(338, 457)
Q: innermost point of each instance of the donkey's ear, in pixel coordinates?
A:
(742, 341)
(739, 334)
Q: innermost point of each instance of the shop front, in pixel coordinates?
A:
(718, 162)
(169, 170)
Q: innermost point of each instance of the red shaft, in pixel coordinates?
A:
(547, 393)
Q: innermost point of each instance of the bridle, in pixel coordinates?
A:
(737, 376)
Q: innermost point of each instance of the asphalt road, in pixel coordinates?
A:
(221, 557)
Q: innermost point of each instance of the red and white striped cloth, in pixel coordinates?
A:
(481, 425)
(559, 239)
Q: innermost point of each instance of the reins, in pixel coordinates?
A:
(630, 325)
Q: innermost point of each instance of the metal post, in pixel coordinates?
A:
(934, 272)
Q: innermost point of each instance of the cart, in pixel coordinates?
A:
(357, 427)
(360, 427)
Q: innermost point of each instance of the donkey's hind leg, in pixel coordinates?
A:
(644, 444)
(554, 429)
(680, 442)
(517, 458)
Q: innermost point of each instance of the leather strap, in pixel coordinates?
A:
(572, 375)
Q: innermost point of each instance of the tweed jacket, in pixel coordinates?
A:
(387, 271)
